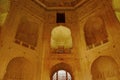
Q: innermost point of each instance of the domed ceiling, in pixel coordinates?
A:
(54, 4)
(60, 4)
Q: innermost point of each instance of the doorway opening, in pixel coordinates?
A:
(61, 75)
(61, 71)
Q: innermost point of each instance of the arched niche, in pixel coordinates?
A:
(61, 38)
(27, 32)
(19, 68)
(95, 31)
(61, 67)
(105, 68)
(116, 7)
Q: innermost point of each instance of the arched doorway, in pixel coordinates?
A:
(61, 75)
(105, 68)
(61, 71)
(19, 69)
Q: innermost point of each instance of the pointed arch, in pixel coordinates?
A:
(61, 37)
(95, 31)
(105, 67)
(19, 68)
(61, 67)
(27, 32)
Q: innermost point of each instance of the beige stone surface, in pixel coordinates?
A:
(18, 61)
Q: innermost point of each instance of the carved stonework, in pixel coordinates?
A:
(17, 68)
(95, 31)
(61, 39)
(103, 68)
(62, 4)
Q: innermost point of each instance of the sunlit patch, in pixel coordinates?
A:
(116, 7)
(3, 18)
(61, 37)
(118, 15)
(62, 75)
(4, 8)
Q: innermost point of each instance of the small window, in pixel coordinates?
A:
(60, 18)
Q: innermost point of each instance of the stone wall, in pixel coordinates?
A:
(10, 48)
(79, 60)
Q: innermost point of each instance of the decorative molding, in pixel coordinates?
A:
(53, 5)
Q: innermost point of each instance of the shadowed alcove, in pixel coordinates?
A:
(19, 68)
(105, 68)
(27, 33)
(95, 31)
